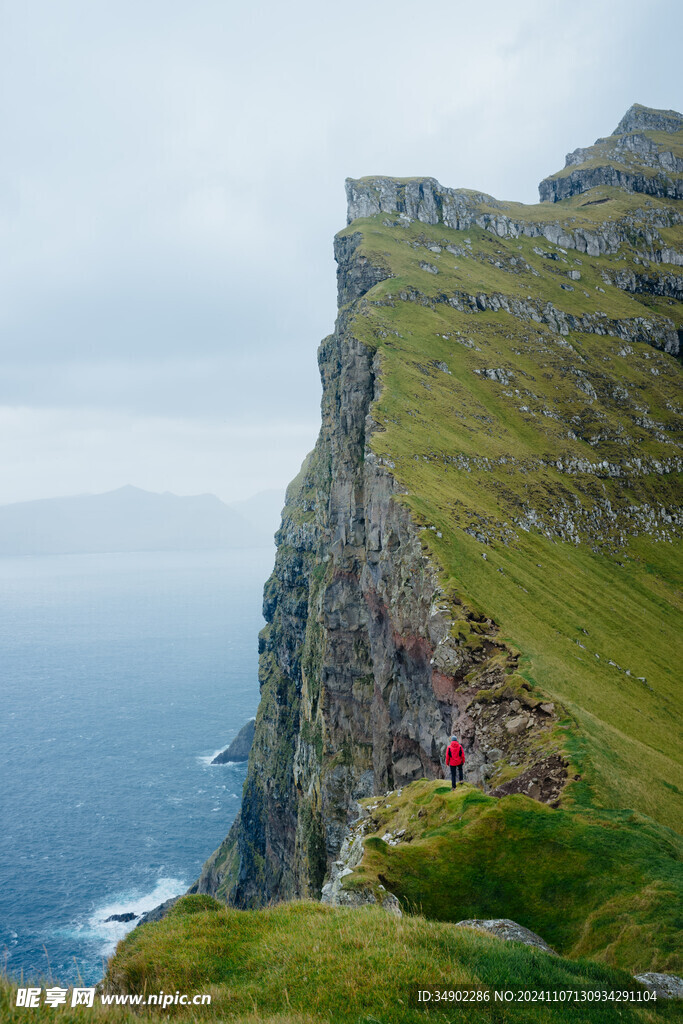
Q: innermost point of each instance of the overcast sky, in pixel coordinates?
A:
(172, 177)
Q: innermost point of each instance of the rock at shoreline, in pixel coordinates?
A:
(157, 913)
(240, 746)
(123, 918)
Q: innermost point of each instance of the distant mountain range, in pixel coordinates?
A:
(130, 519)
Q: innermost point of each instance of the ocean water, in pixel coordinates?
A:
(120, 676)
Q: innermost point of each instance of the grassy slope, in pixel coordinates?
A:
(302, 963)
(558, 603)
(603, 884)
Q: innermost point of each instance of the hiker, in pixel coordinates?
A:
(455, 759)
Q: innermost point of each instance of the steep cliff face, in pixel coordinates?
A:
(364, 669)
(497, 460)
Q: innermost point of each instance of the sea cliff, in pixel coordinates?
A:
(493, 497)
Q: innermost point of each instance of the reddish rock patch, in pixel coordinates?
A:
(443, 685)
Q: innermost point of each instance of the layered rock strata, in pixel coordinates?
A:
(627, 159)
(368, 661)
(427, 201)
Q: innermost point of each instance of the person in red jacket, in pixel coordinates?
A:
(455, 759)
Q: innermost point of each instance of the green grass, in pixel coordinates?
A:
(608, 885)
(473, 269)
(302, 963)
(474, 455)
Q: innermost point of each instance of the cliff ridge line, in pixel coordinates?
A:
(371, 657)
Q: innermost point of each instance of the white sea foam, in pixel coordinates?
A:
(208, 758)
(131, 901)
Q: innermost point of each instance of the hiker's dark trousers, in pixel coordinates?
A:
(455, 768)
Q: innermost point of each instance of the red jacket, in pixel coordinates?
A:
(455, 754)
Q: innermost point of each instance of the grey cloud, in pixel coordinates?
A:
(173, 175)
(244, 386)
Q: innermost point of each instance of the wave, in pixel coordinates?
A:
(208, 758)
(106, 934)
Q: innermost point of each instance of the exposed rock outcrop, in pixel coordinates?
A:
(356, 274)
(509, 931)
(552, 190)
(659, 333)
(627, 159)
(240, 746)
(333, 892)
(427, 201)
(665, 986)
(639, 118)
(158, 912)
(544, 781)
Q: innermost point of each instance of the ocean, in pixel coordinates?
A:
(121, 676)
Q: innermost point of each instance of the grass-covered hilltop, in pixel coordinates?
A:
(485, 540)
